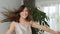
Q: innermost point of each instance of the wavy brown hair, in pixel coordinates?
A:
(15, 15)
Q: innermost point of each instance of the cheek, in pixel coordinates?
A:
(26, 13)
(21, 14)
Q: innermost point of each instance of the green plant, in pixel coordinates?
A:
(38, 16)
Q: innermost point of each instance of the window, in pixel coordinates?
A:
(53, 13)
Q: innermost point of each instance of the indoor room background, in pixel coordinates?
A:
(50, 7)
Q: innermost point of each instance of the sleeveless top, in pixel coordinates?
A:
(23, 29)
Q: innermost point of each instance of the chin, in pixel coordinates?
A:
(24, 17)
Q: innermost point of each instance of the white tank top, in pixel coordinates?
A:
(23, 29)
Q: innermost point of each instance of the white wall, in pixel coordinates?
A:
(42, 3)
(47, 2)
(9, 4)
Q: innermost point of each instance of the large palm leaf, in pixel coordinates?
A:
(38, 16)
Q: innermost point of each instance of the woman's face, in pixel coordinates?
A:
(24, 13)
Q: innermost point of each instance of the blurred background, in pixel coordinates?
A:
(50, 7)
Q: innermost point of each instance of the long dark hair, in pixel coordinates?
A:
(15, 15)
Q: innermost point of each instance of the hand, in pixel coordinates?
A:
(58, 33)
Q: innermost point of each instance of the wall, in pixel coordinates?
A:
(9, 4)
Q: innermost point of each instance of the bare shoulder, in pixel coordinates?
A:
(11, 28)
(13, 23)
(31, 22)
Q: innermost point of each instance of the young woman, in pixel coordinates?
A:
(22, 22)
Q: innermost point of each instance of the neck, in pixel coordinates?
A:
(22, 20)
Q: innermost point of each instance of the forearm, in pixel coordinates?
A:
(47, 29)
(35, 25)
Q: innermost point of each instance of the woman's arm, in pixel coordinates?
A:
(11, 29)
(35, 25)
